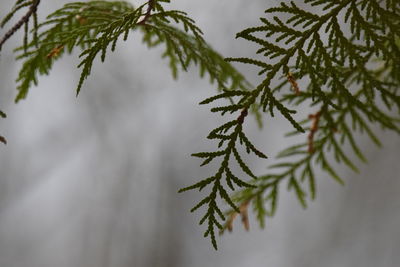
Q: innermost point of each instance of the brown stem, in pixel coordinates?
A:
(243, 214)
(314, 128)
(3, 140)
(293, 82)
(22, 21)
(55, 51)
(242, 115)
(150, 6)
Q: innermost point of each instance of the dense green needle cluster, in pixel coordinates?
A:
(94, 28)
(348, 53)
(349, 56)
(340, 57)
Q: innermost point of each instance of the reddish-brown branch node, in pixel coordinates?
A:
(242, 115)
(293, 82)
(314, 128)
(55, 51)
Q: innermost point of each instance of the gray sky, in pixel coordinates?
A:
(92, 181)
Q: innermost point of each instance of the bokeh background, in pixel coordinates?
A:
(92, 181)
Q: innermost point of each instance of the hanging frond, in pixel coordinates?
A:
(94, 28)
(231, 134)
(343, 81)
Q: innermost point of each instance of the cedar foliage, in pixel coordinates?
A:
(348, 54)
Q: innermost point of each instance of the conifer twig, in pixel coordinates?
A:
(150, 6)
(55, 51)
(22, 21)
(314, 128)
(242, 115)
(293, 83)
(243, 208)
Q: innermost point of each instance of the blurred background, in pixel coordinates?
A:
(92, 181)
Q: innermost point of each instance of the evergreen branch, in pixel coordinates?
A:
(230, 150)
(186, 50)
(249, 61)
(19, 5)
(303, 166)
(249, 146)
(267, 99)
(23, 21)
(150, 6)
(96, 26)
(282, 64)
(340, 65)
(226, 94)
(199, 185)
(353, 74)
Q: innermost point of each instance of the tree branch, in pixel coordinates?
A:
(148, 12)
(22, 21)
(314, 128)
(242, 115)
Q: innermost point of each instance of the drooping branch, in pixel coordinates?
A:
(22, 21)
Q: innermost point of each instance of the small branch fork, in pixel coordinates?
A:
(243, 208)
(22, 21)
(150, 6)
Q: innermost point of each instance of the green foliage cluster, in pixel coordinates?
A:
(347, 52)
(95, 27)
(349, 56)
